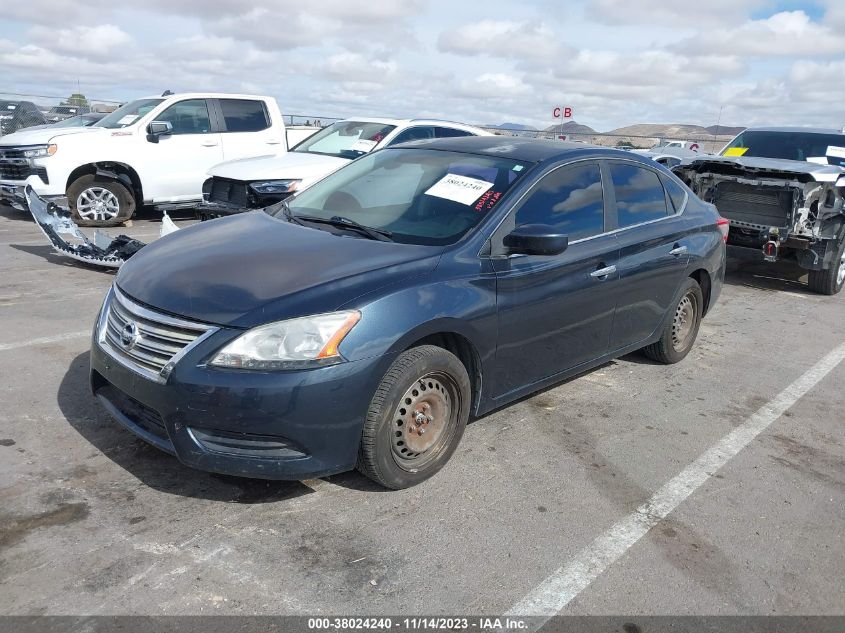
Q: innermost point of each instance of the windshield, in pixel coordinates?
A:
(417, 196)
(8, 107)
(345, 139)
(129, 113)
(801, 146)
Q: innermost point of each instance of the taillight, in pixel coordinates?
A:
(724, 226)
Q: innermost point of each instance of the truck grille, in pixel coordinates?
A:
(13, 166)
(143, 340)
(759, 206)
(229, 192)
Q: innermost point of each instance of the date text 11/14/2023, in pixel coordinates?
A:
(417, 624)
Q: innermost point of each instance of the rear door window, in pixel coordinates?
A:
(450, 132)
(244, 115)
(570, 199)
(639, 194)
(677, 194)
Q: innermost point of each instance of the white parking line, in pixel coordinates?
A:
(559, 589)
(44, 340)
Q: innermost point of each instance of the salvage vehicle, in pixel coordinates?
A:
(783, 190)
(62, 112)
(363, 321)
(259, 182)
(17, 115)
(154, 150)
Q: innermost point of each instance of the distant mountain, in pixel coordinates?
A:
(724, 130)
(515, 126)
(570, 127)
(675, 130)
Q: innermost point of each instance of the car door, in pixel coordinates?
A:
(556, 312)
(653, 250)
(177, 163)
(246, 129)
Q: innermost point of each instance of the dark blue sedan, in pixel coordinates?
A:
(362, 322)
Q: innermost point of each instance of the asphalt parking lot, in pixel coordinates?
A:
(94, 521)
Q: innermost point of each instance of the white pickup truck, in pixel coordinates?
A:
(154, 150)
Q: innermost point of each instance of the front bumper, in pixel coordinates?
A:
(276, 425)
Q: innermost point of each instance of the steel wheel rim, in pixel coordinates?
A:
(97, 203)
(424, 421)
(840, 274)
(683, 323)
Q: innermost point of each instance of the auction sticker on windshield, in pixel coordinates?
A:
(837, 152)
(736, 151)
(363, 145)
(459, 188)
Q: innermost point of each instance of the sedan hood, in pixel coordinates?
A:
(300, 165)
(42, 135)
(767, 166)
(251, 269)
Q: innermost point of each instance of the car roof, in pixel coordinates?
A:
(809, 130)
(522, 148)
(206, 95)
(399, 122)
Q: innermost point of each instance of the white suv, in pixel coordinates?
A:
(258, 182)
(153, 150)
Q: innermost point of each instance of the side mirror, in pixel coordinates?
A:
(536, 239)
(157, 129)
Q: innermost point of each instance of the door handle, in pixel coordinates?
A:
(273, 142)
(601, 273)
(679, 250)
(207, 144)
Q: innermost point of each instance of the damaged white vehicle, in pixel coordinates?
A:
(69, 241)
(783, 190)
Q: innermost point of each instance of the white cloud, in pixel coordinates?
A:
(686, 14)
(82, 41)
(502, 38)
(787, 34)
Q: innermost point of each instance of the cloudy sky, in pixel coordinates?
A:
(615, 62)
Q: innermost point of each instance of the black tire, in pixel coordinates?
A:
(830, 280)
(111, 193)
(679, 333)
(390, 439)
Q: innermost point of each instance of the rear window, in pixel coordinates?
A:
(639, 194)
(244, 115)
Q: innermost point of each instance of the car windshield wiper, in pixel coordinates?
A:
(289, 216)
(342, 222)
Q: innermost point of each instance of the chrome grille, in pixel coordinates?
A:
(148, 342)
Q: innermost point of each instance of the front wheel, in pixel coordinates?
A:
(830, 280)
(679, 333)
(416, 418)
(99, 202)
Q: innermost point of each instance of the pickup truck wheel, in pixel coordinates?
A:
(99, 202)
(830, 280)
(416, 418)
(681, 330)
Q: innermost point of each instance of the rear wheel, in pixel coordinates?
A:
(99, 202)
(416, 418)
(830, 280)
(680, 332)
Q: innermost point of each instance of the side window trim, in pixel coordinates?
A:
(216, 114)
(670, 202)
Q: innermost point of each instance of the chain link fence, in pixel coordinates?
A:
(707, 144)
(19, 111)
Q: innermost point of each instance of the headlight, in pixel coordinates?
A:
(275, 186)
(41, 151)
(293, 344)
